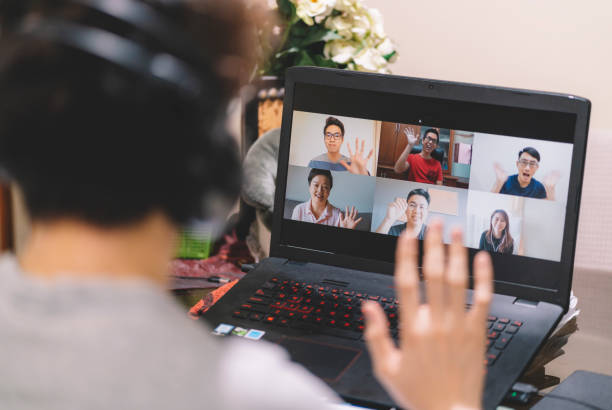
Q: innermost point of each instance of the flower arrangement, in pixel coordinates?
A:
(326, 33)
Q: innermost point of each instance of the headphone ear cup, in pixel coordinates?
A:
(214, 172)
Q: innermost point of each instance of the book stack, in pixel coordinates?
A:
(552, 348)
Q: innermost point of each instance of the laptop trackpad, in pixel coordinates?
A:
(327, 361)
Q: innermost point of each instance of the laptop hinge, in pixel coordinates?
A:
(525, 302)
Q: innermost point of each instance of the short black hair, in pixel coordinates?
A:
(419, 191)
(90, 140)
(333, 121)
(435, 131)
(531, 151)
(315, 171)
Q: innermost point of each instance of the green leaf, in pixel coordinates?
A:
(304, 59)
(319, 33)
(390, 55)
(286, 9)
(300, 29)
(324, 62)
(287, 51)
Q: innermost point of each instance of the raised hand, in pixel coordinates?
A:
(396, 209)
(551, 179)
(550, 182)
(347, 220)
(439, 363)
(500, 174)
(411, 137)
(358, 163)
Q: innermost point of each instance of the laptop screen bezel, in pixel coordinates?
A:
(468, 93)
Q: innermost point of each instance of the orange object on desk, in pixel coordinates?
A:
(206, 302)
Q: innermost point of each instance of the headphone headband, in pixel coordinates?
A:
(118, 50)
(147, 20)
(166, 64)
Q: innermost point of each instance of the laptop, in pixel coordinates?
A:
(365, 156)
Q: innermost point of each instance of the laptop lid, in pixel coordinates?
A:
(364, 156)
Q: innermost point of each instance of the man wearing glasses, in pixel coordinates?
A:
(421, 167)
(415, 207)
(333, 160)
(523, 183)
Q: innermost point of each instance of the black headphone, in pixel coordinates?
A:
(169, 58)
(167, 64)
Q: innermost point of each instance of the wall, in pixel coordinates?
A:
(549, 45)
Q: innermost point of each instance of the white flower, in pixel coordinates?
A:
(376, 20)
(361, 24)
(386, 47)
(313, 10)
(348, 6)
(272, 5)
(340, 51)
(370, 59)
(342, 25)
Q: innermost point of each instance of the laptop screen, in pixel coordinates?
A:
(364, 166)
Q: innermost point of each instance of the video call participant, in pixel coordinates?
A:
(421, 167)
(415, 207)
(523, 183)
(497, 238)
(333, 160)
(318, 210)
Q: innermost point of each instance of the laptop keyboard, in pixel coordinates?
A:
(500, 332)
(337, 312)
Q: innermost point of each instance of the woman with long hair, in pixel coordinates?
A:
(498, 238)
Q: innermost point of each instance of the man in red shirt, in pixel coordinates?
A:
(421, 167)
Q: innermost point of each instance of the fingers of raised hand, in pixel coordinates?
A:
(403, 204)
(483, 290)
(377, 337)
(350, 150)
(433, 270)
(407, 280)
(456, 277)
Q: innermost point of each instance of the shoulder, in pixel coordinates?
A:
(333, 210)
(539, 189)
(321, 157)
(320, 164)
(299, 209)
(512, 179)
(396, 230)
(510, 183)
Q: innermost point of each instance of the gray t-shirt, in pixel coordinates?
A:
(125, 344)
(322, 162)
